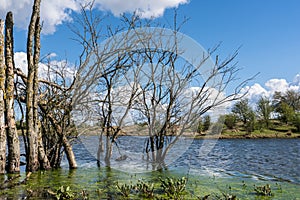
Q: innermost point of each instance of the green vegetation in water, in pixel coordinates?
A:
(145, 189)
(105, 183)
(124, 189)
(174, 188)
(64, 193)
(264, 190)
(171, 188)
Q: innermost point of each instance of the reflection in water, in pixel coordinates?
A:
(268, 159)
(107, 179)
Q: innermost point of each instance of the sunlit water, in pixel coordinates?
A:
(231, 162)
(265, 159)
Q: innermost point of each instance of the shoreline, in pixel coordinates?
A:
(218, 136)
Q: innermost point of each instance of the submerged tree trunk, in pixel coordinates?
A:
(65, 142)
(2, 106)
(100, 149)
(43, 159)
(69, 152)
(108, 150)
(32, 157)
(12, 135)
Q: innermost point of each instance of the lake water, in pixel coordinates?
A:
(212, 166)
(264, 159)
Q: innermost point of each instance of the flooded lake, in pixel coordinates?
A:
(268, 159)
(211, 166)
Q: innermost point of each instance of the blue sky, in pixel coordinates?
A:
(268, 31)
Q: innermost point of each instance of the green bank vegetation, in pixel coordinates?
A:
(274, 117)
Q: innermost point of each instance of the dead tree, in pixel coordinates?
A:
(2, 106)
(36, 155)
(54, 107)
(29, 92)
(101, 71)
(55, 113)
(118, 93)
(12, 135)
(173, 93)
(177, 92)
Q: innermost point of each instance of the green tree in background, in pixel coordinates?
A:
(286, 105)
(264, 110)
(286, 112)
(242, 110)
(230, 120)
(250, 124)
(199, 127)
(206, 122)
(292, 98)
(296, 121)
(244, 113)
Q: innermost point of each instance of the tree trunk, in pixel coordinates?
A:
(65, 142)
(12, 135)
(100, 149)
(108, 150)
(69, 152)
(32, 157)
(43, 159)
(2, 106)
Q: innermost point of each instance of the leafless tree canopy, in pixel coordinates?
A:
(126, 75)
(151, 76)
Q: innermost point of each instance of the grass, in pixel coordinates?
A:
(275, 131)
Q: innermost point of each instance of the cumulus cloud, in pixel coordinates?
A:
(255, 92)
(296, 80)
(56, 12)
(53, 12)
(213, 96)
(145, 8)
(277, 85)
(20, 59)
(270, 87)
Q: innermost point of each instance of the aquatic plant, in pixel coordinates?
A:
(224, 196)
(264, 190)
(145, 189)
(84, 194)
(64, 193)
(227, 196)
(173, 188)
(124, 189)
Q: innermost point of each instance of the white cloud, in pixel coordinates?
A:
(255, 92)
(56, 12)
(213, 96)
(53, 12)
(296, 80)
(281, 85)
(277, 85)
(20, 59)
(145, 8)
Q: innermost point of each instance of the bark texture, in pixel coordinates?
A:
(2, 106)
(65, 142)
(32, 57)
(12, 135)
(43, 159)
